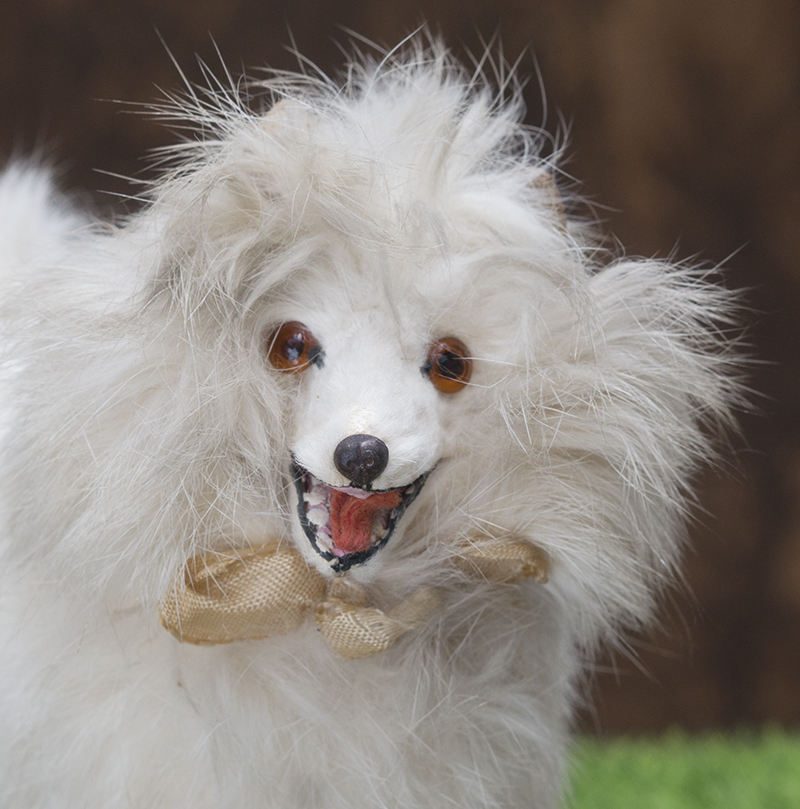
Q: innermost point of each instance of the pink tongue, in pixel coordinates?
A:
(351, 518)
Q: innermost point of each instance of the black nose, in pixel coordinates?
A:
(361, 458)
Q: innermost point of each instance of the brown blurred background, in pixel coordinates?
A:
(684, 119)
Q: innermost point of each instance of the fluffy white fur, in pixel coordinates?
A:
(143, 425)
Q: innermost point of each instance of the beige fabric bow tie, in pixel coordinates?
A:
(271, 590)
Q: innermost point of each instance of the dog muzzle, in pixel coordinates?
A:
(348, 525)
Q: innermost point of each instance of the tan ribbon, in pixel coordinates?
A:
(255, 593)
(503, 560)
(271, 590)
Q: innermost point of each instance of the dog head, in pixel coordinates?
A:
(394, 278)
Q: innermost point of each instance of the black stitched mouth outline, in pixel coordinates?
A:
(304, 482)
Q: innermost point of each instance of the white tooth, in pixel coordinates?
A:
(315, 497)
(318, 515)
(380, 526)
(323, 539)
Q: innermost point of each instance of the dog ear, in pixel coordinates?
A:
(221, 218)
(546, 185)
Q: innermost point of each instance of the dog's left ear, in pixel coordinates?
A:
(546, 185)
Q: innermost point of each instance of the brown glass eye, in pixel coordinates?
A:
(292, 347)
(449, 366)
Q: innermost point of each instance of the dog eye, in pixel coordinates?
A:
(292, 347)
(449, 366)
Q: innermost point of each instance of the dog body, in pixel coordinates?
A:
(149, 420)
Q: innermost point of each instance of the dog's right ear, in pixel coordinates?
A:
(223, 217)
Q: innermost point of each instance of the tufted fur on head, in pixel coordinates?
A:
(144, 424)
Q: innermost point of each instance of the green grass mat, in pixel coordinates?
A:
(680, 771)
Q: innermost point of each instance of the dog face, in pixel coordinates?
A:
(367, 433)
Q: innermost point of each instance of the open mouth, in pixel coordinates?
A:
(347, 525)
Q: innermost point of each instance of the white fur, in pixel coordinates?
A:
(144, 426)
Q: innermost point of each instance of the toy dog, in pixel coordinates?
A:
(325, 473)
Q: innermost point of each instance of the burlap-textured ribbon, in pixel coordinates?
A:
(252, 594)
(271, 590)
(503, 560)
